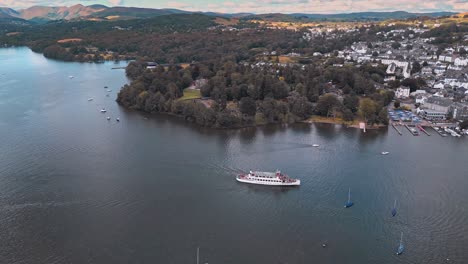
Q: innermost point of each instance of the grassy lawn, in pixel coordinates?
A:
(331, 120)
(191, 94)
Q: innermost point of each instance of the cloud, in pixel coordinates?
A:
(116, 2)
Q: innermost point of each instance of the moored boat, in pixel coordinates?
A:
(268, 178)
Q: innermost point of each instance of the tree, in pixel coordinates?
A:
(300, 106)
(351, 102)
(462, 51)
(348, 115)
(396, 104)
(396, 45)
(367, 109)
(326, 104)
(464, 125)
(383, 116)
(247, 106)
(416, 67)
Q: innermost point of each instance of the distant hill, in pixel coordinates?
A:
(360, 16)
(135, 12)
(10, 16)
(60, 12)
(43, 14)
(6, 12)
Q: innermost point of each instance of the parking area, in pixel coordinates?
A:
(404, 116)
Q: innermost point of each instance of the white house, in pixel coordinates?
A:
(402, 92)
(461, 61)
(421, 99)
(439, 85)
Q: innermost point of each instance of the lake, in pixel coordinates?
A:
(77, 188)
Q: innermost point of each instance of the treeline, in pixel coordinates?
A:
(237, 95)
(180, 38)
(448, 33)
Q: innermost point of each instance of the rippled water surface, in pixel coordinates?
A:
(76, 188)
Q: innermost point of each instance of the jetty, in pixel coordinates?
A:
(118, 68)
(440, 131)
(399, 132)
(412, 130)
(423, 130)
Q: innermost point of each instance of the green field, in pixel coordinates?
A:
(191, 94)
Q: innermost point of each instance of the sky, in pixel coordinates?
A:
(265, 6)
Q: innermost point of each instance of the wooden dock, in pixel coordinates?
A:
(413, 131)
(440, 132)
(423, 130)
(399, 132)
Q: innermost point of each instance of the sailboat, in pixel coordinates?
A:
(401, 247)
(349, 203)
(394, 209)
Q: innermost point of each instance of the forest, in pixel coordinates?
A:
(237, 95)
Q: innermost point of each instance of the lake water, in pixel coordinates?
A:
(76, 188)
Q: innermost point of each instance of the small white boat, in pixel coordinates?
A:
(117, 119)
(108, 118)
(109, 90)
(103, 110)
(315, 145)
(71, 77)
(90, 99)
(385, 152)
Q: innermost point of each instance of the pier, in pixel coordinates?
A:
(440, 131)
(413, 131)
(399, 132)
(423, 130)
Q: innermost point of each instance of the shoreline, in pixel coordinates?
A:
(339, 121)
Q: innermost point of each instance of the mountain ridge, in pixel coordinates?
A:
(93, 12)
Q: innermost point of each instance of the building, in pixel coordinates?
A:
(438, 104)
(426, 71)
(459, 111)
(433, 115)
(402, 92)
(421, 99)
(461, 62)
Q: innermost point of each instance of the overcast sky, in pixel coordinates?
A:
(266, 6)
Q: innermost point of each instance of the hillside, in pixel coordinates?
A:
(360, 16)
(57, 13)
(43, 14)
(134, 12)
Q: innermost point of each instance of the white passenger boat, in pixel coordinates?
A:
(385, 152)
(268, 178)
(103, 110)
(315, 145)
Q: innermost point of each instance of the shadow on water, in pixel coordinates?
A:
(372, 135)
(276, 190)
(328, 131)
(247, 135)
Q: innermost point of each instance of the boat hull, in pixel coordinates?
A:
(296, 183)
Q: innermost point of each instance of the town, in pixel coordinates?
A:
(430, 81)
